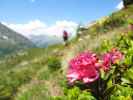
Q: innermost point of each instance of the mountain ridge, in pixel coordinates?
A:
(11, 41)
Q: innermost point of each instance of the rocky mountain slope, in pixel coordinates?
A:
(11, 41)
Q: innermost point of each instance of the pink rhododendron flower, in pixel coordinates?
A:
(112, 57)
(116, 56)
(107, 61)
(84, 68)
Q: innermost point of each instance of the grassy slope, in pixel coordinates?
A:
(30, 75)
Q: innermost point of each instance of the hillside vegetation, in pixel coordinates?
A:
(40, 74)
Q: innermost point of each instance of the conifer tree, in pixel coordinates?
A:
(127, 2)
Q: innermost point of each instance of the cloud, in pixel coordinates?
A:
(120, 5)
(37, 27)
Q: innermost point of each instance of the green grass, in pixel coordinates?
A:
(22, 68)
(36, 91)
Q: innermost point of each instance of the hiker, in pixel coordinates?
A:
(65, 37)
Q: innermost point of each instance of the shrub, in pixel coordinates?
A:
(122, 93)
(75, 94)
(127, 77)
(54, 63)
(106, 45)
(127, 2)
(87, 71)
(130, 21)
(85, 67)
(114, 21)
(43, 75)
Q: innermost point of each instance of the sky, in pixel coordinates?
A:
(50, 17)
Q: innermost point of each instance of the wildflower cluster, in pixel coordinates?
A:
(112, 57)
(85, 67)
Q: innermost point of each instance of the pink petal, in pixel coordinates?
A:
(89, 80)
